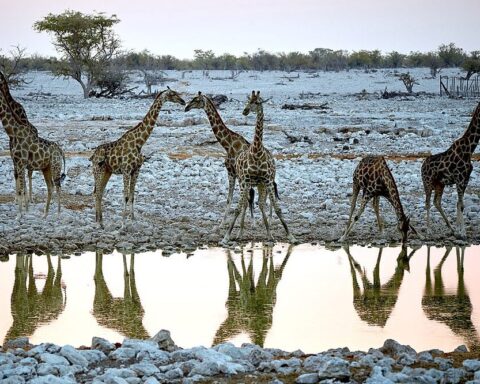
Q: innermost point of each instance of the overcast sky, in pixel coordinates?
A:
(235, 26)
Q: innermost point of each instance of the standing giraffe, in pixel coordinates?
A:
(453, 166)
(256, 167)
(17, 109)
(232, 142)
(29, 151)
(373, 176)
(123, 156)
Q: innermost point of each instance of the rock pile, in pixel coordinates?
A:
(159, 360)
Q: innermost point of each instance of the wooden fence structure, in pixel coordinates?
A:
(453, 86)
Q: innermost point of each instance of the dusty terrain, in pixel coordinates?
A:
(181, 191)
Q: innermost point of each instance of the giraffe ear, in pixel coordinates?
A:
(199, 93)
(253, 93)
(168, 87)
(258, 93)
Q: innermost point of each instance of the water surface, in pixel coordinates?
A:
(305, 297)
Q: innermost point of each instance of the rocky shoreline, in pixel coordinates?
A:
(159, 360)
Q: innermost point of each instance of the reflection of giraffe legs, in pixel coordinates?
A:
(251, 301)
(452, 309)
(375, 301)
(123, 314)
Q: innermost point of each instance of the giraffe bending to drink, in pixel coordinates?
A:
(374, 178)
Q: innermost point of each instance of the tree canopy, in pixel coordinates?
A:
(87, 44)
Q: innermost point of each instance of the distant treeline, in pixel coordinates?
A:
(447, 55)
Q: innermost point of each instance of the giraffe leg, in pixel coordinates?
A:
(126, 194)
(30, 197)
(244, 191)
(262, 199)
(20, 184)
(363, 204)
(376, 207)
(428, 196)
(101, 179)
(278, 212)
(437, 201)
(133, 183)
(242, 220)
(47, 175)
(460, 208)
(231, 188)
(353, 203)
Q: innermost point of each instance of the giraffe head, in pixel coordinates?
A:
(198, 102)
(253, 103)
(172, 96)
(404, 227)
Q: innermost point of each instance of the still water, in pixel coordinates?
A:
(305, 297)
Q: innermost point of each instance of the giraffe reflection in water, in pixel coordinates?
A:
(249, 305)
(29, 307)
(375, 304)
(121, 314)
(452, 309)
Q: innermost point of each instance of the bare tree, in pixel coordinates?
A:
(11, 66)
(409, 81)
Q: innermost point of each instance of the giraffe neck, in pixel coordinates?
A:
(258, 138)
(471, 136)
(145, 128)
(394, 198)
(15, 106)
(220, 130)
(9, 120)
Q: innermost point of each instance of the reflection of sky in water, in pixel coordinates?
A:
(306, 299)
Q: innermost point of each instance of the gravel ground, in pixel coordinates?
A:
(181, 191)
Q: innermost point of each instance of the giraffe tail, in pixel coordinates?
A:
(63, 175)
(275, 188)
(250, 201)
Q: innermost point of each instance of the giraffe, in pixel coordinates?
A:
(453, 166)
(123, 156)
(255, 166)
(232, 142)
(30, 151)
(17, 109)
(373, 176)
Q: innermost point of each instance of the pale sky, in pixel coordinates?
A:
(178, 27)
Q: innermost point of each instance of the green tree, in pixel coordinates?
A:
(451, 55)
(394, 59)
(472, 64)
(87, 44)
